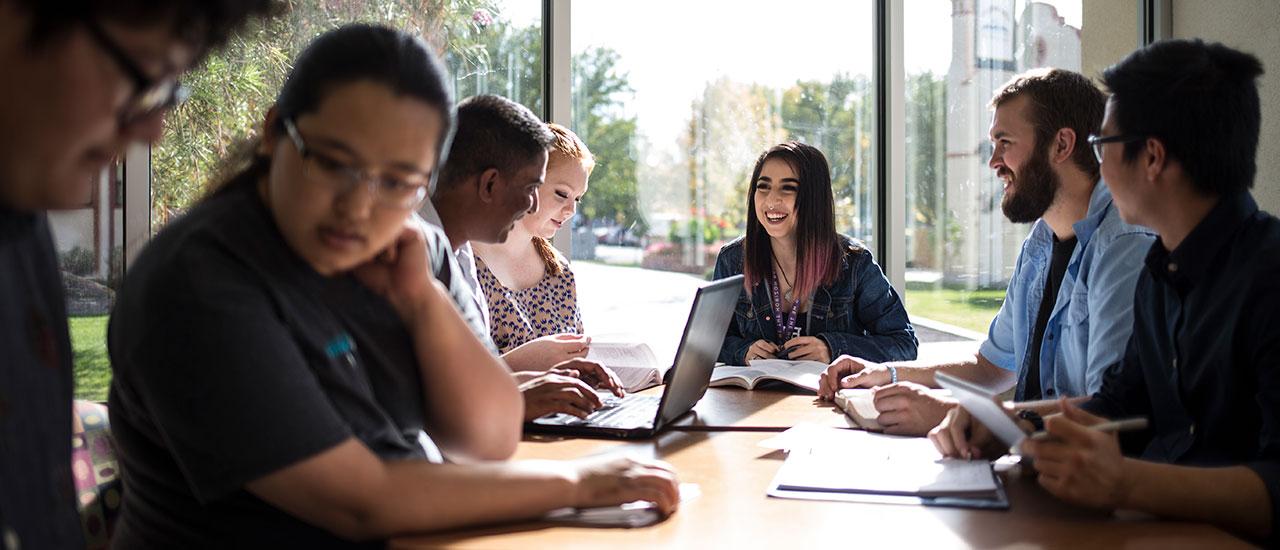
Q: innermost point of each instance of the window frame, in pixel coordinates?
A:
(1154, 23)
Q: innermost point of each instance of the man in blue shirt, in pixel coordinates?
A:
(1068, 308)
(1203, 363)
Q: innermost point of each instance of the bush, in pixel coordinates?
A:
(79, 261)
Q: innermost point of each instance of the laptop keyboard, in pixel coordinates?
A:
(626, 412)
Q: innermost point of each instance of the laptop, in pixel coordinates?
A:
(641, 416)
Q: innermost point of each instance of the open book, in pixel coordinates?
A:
(801, 374)
(634, 363)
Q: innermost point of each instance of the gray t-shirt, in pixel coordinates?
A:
(234, 359)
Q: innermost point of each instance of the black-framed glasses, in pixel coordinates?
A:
(149, 95)
(391, 192)
(1097, 142)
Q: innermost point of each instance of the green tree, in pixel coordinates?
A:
(926, 168)
(236, 85)
(599, 90)
(837, 117)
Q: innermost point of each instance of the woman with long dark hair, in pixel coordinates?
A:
(811, 293)
(288, 372)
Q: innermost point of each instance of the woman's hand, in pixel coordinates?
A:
(547, 351)
(807, 348)
(761, 349)
(402, 273)
(607, 481)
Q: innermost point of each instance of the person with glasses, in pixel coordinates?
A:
(1178, 147)
(1068, 306)
(288, 370)
(81, 81)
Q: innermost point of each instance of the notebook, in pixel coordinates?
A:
(801, 374)
(854, 465)
(639, 416)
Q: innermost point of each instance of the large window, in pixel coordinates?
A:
(677, 99)
(90, 242)
(490, 46)
(960, 249)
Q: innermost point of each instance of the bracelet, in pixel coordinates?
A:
(893, 374)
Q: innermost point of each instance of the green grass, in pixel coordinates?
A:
(963, 308)
(92, 366)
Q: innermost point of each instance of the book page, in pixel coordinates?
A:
(633, 362)
(743, 377)
(803, 374)
(637, 378)
(859, 404)
(611, 354)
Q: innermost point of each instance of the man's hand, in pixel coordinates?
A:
(807, 348)
(907, 408)
(552, 393)
(594, 374)
(547, 351)
(848, 371)
(959, 436)
(1078, 464)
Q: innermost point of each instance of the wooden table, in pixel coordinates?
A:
(732, 473)
(776, 408)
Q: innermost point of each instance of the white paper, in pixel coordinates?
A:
(837, 459)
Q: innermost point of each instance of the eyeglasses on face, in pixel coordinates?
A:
(150, 95)
(1097, 142)
(388, 191)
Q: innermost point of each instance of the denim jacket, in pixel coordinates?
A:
(860, 315)
(1093, 315)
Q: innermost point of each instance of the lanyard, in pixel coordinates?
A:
(788, 330)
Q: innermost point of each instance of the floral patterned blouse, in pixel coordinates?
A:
(517, 316)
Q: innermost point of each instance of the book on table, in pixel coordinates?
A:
(634, 363)
(859, 405)
(801, 374)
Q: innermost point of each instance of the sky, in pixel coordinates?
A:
(671, 48)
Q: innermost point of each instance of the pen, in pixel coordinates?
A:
(1124, 425)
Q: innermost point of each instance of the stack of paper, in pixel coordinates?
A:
(839, 464)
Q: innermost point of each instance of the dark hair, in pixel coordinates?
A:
(1200, 100)
(1059, 99)
(493, 132)
(818, 250)
(356, 53)
(206, 24)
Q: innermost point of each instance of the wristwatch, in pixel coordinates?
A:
(1033, 417)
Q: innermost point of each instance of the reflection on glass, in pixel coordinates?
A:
(676, 123)
(490, 46)
(960, 248)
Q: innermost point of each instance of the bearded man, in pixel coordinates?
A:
(1068, 310)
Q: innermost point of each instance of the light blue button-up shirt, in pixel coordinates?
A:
(1093, 315)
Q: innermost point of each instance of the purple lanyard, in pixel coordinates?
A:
(789, 330)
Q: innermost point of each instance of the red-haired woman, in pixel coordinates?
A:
(811, 293)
